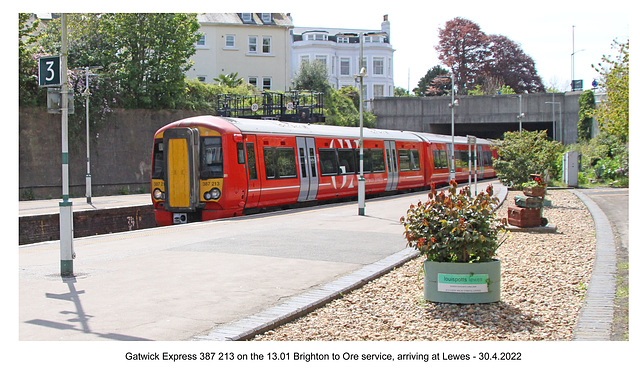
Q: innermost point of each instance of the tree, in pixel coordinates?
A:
(587, 104)
(312, 76)
(151, 55)
(480, 60)
(29, 92)
(508, 62)
(230, 80)
(613, 113)
(429, 85)
(463, 48)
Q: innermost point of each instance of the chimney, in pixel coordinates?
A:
(386, 27)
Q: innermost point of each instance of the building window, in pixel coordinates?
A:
(253, 44)
(253, 80)
(323, 61)
(320, 37)
(345, 66)
(266, 84)
(266, 44)
(378, 90)
(230, 41)
(304, 58)
(378, 66)
(202, 79)
(202, 41)
(266, 17)
(343, 39)
(247, 17)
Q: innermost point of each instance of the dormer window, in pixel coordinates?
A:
(318, 36)
(247, 17)
(266, 17)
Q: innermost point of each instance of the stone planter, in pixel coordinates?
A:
(536, 191)
(462, 282)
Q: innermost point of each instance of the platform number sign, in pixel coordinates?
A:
(49, 71)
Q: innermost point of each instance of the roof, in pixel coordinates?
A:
(335, 31)
(277, 19)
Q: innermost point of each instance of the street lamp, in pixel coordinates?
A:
(520, 113)
(361, 183)
(86, 94)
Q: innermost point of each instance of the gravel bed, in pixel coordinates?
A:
(544, 279)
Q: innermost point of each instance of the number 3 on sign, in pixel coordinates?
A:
(49, 71)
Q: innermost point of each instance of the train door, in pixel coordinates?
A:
(308, 169)
(182, 155)
(392, 165)
(451, 161)
(480, 158)
(253, 181)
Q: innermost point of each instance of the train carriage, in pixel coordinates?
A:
(211, 167)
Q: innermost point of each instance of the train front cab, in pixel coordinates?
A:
(190, 173)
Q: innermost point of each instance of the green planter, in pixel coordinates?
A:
(462, 282)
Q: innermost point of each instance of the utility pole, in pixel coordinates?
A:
(66, 209)
(87, 94)
(361, 183)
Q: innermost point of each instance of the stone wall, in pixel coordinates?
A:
(120, 152)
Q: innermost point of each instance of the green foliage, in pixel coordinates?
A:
(604, 158)
(587, 104)
(202, 97)
(229, 80)
(521, 154)
(29, 93)
(428, 85)
(341, 108)
(312, 76)
(455, 227)
(613, 113)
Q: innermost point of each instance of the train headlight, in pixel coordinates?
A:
(212, 194)
(158, 194)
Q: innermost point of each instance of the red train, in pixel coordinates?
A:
(212, 167)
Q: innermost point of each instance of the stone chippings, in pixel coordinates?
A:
(544, 279)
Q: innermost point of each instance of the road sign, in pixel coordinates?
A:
(49, 71)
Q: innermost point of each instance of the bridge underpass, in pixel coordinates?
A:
(490, 130)
(483, 116)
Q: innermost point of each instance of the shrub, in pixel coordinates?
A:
(521, 154)
(455, 227)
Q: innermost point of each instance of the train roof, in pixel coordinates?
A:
(306, 129)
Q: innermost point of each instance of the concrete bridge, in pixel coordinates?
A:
(482, 116)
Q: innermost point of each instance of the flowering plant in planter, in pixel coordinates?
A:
(455, 227)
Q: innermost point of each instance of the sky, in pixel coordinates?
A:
(548, 31)
(544, 29)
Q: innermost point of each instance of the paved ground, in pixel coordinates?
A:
(203, 275)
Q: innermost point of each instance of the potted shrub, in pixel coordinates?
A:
(534, 187)
(459, 235)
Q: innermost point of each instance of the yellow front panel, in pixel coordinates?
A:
(178, 173)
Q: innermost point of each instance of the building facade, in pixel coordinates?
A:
(339, 51)
(256, 46)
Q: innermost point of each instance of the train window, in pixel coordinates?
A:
(328, 162)
(404, 156)
(303, 166)
(251, 161)
(488, 158)
(240, 148)
(158, 160)
(373, 160)
(347, 159)
(415, 159)
(211, 158)
(439, 159)
(312, 159)
(280, 163)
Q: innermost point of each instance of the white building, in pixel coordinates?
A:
(254, 45)
(339, 50)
